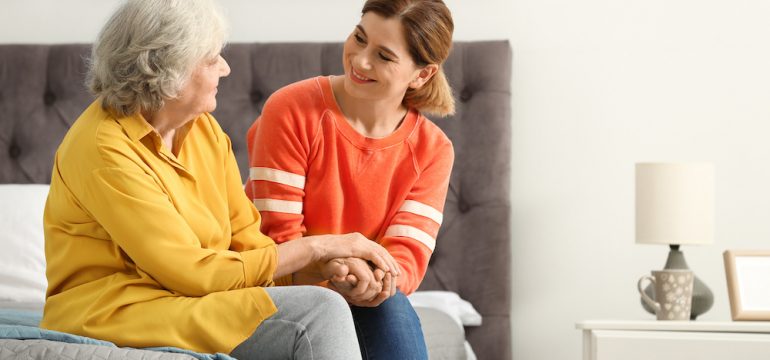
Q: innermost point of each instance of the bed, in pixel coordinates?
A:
(42, 93)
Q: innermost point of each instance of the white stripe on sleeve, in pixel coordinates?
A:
(418, 208)
(412, 232)
(277, 176)
(284, 206)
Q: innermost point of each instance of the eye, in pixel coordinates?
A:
(383, 57)
(359, 39)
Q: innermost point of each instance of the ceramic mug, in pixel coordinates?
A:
(673, 292)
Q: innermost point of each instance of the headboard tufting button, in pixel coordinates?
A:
(466, 95)
(49, 98)
(464, 207)
(256, 96)
(14, 151)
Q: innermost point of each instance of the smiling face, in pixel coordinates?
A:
(200, 91)
(377, 62)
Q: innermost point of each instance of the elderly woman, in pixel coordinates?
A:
(150, 239)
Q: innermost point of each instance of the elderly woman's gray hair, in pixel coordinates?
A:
(148, 49)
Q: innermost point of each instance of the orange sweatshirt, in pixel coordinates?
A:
(312, 173)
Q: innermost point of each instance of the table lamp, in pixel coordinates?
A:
(675, 206)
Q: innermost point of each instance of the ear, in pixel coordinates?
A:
(423, 75)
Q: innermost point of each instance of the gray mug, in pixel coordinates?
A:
(673, 292)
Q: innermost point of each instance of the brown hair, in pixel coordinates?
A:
(428, 27)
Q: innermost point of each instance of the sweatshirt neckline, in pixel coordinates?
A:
(399, 135)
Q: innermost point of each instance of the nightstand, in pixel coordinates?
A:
(680, 340)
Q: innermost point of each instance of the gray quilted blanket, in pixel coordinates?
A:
(21, 338)
(37, 349)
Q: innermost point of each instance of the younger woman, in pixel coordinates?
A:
(353, 153)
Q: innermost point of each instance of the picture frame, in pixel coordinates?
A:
(748, 287)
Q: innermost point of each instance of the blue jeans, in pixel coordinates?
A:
(389, 331)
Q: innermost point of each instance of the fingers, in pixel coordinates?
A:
(373, 251)
(392, 263)
(338, 279)
(343, 286)
(334, 268)
(368, 286)
(387, 284)
(356, 245)
(339, 268)
(388, 290)
(393, 285)
(360, 288)
(374, 254)
(394, 267)
(379, 275)
(392, 282)
(379, 299)
(352, 280)
(360, 269)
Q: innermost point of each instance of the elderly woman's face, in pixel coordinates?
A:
(200, 91)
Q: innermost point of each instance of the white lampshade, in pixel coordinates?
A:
(674, 203)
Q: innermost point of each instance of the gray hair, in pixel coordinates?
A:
(147, 50)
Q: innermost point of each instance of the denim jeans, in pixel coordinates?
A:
(390, 331)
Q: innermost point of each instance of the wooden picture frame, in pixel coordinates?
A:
(748, 283)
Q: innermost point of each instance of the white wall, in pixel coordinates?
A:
(598, 85)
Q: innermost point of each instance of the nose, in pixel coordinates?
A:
(361, 61)
(224, 68)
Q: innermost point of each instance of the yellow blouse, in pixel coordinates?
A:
(145, 248)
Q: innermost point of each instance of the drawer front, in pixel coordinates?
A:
(675, 345)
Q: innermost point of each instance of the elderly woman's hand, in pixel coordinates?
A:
(387, 288)
(297, 254)
(334, 270)
(364, 285)
(328, 247)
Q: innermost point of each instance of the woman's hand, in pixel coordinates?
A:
(295, 255)
(363, 282)
(328, 247)
(334, 270)
(388, 289)
(358, 282)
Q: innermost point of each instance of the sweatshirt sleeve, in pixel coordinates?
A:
(411, 235)
(279, 148)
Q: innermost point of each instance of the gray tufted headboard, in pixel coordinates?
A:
(42, 93)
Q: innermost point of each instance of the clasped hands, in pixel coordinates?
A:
(359, 281)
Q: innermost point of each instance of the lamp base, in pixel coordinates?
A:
(702, 297)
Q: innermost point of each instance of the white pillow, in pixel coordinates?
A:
(22, 251)
(449, 302)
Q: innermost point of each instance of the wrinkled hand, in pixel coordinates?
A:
(364, 285)
(388, 290)
(334, 270)
(363, 281)
(356, 245)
